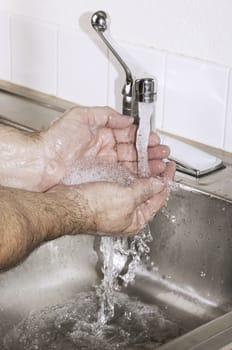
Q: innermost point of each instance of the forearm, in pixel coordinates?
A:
(27, 219)
(26, 162)
(22, 162)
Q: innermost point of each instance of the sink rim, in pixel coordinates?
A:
(216, 332)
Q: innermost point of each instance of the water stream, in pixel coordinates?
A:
(121, 256)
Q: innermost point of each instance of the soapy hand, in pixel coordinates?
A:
(112, 208)
(97, 133)
(38, 161)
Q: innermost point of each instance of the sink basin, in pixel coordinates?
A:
(188, 278)
(181, 298)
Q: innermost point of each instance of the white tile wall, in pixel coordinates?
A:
(5, 46)
(194, 28)
(228, 126)
(34, 54)
(195, 99)
(82, 73)
(143, 61)
(193, 96)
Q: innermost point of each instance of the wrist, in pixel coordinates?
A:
(73, 213)
(54, 166)
(22, 161)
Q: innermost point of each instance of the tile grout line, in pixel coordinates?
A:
(164, 91)
(10, 47)
(57, 60)
(226, 120)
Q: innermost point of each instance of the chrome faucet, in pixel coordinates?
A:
(189, 159)
(135, 90)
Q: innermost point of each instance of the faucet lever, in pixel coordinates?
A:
(100, 22)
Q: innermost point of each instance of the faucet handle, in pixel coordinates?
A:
(100, 23)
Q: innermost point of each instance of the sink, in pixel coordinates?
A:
(191, 254)
(184, 291)
(188, 276)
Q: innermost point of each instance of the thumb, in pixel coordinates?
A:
(143, 189)
(118, 121)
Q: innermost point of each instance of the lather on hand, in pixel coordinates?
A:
(38, 161)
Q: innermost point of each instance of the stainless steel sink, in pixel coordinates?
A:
(188, 280)
(192, 256)
(188, 277)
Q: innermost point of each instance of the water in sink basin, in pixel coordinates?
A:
(198, 240)
(73, 325)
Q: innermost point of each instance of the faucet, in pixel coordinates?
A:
(135, 90)
(189, 159)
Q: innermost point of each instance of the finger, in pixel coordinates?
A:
(154, 139)
(158, 152)
(169, 171)
(101, 116)
(156, 167)
(146, 212)
(126, 152)
(154, 204)
(127, 135)
(137, 223)
(143, 189)
(131, 166)
(118, 121)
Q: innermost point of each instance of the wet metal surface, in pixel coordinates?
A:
(188, 278)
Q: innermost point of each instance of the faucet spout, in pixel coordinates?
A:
(145, 90)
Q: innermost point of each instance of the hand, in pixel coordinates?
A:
(98, 132)
(115, 209)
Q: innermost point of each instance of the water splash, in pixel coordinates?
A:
(73, 326)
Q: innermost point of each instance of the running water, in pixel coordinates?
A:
(122, 256)
(145, 111)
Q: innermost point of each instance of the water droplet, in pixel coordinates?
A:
(173, 218)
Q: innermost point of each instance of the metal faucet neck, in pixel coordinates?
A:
(134, 90)
(100, 23)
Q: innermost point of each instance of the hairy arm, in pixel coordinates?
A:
(28, 218)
